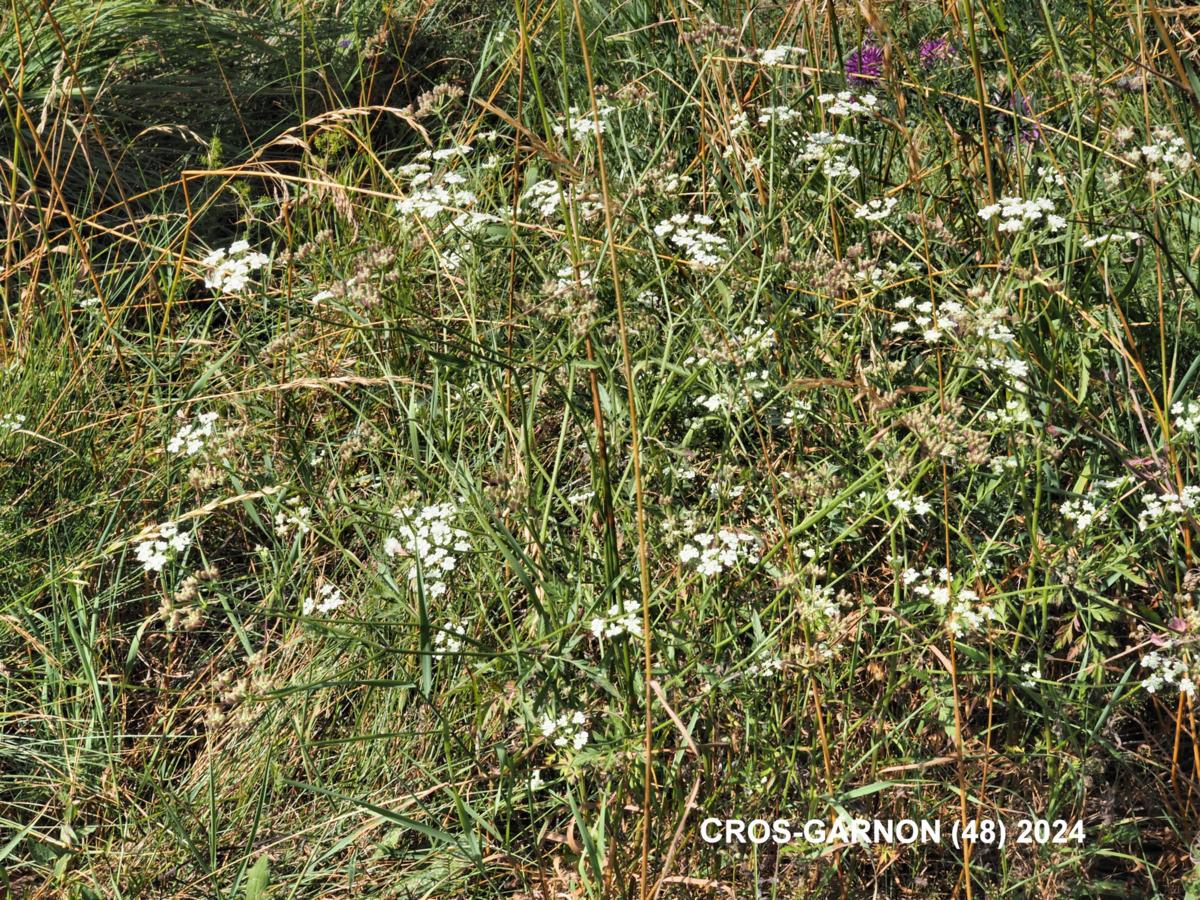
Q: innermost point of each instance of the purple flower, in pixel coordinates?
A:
(935, 51)
(1026, 123)
(865, 65)
(1029, 131)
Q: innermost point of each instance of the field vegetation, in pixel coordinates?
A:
(454, 450)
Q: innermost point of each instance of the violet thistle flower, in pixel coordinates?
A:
(864, 66)
(935, 51)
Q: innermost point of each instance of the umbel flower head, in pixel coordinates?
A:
(570, 728)
(156, 552)
(713, 555)
(192, 436)
(327, 598)
(229, 269)
(864, 66)
(430, 543)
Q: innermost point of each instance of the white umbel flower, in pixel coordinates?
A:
(431, 543)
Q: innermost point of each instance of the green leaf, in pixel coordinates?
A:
(257, 879)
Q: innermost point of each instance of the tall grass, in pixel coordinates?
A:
(623, 427)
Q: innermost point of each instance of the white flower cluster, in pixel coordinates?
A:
(948, 314)
(442, 154)
(580, 124)
(988, 321)
(797, 409)
(831, 151)
(156, 552)
(1015, 370)
(432, 195)
(326, 600)
(567, 729)
(1187, 415)
(1167, 671)
(1052, 176)
(1030, 675)
(713, 555)
(296, 517)
(691, 235)
(545, 198)
(736, 400)
(1166, 153)
(568, 281)
(844, 103)
(911, 576)
(765, 668)
(650, 299)
(739, 126)
(839, 167)
(917, 505)
(722, 484)
(430, 541)
(1081, 512)
(754, 342)
(876, 210)
(1103, 240)
(1016, 213)
(10, 422)
(671, 184)
(781, 116)
(1169, 503)
(1002, 464)
(819, 604)
(965, 611)
(1015, 413)
(229, 269)
(623, 618)
(191, 437)
(777, 56)
(449, 638)
(712, 402)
